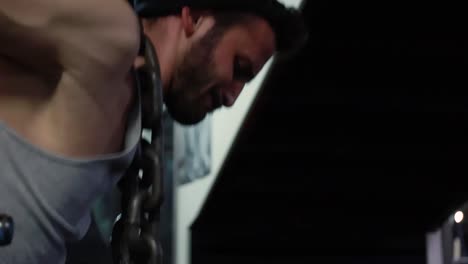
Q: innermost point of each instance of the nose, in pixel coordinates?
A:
(231, 93)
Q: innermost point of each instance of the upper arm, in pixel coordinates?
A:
(87, 38)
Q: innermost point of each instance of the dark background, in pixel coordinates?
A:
(354, 149)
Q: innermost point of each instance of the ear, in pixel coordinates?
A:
(190, 20)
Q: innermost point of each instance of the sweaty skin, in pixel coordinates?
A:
(64, 67)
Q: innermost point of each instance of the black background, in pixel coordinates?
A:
(354, 149)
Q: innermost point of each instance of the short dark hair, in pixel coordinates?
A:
(287, 23)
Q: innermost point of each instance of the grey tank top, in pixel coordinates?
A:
(50, 197)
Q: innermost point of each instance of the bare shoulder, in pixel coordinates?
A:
(96, 41)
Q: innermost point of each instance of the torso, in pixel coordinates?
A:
(72, 101)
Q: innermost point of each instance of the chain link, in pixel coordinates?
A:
(136, 231)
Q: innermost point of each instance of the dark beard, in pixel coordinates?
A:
(195, 71)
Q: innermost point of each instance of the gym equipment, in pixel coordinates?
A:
(6, 230)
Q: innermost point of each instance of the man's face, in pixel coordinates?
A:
(213, 71)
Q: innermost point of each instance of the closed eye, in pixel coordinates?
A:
(242, 70)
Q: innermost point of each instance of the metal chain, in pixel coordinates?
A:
(136, 231)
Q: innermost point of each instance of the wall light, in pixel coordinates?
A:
(458, 216)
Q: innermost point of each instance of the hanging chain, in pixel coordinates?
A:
(136, 231)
